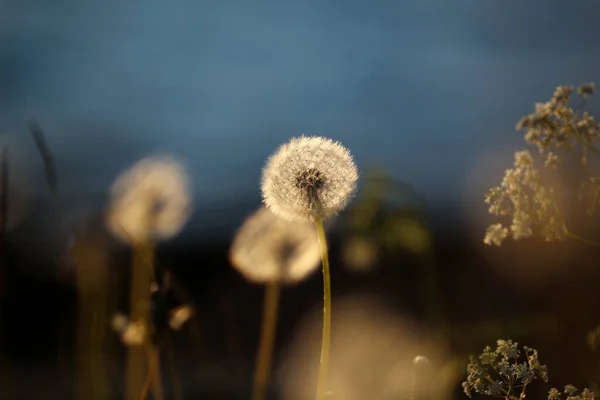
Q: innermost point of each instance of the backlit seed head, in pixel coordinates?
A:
(307, 178)
(151, 201)
(268, 248)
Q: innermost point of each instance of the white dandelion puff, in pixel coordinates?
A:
(267, 248)
(307, 178)
(151, 201)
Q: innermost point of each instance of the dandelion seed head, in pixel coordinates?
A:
(268, 248)
(150, 201)
(309, 177)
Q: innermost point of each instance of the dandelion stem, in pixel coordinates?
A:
(140, 310)
(326, 341)
(154, 359)
(267, 340)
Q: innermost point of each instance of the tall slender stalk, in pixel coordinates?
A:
(267, 340)
(139, 303)
(4, 371)
(95, 305)
(326, 341)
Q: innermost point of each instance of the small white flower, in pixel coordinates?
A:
(495, 235)
(523, 159)
(268, 248)
(308, 178)
(151, 201)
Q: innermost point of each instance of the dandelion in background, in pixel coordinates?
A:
(149, 202)
(267, 248)
(271, 251)
(310, 179)
(376, 354)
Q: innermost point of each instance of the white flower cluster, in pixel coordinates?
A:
(553, 127)
(529, 203)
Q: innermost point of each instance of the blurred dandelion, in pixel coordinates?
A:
(310, 179)
(376, 354)
(267, 248)
(149, 202)
(270, 250)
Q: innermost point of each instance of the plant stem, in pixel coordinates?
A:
(267, 340)
(326, 341)
(4, 370)
(582, 239)
(154, 359)
(140, 298)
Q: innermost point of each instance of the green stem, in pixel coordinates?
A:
(267, 340)
(326, 342)
(140, 301)
(582, 239)
(94, 305)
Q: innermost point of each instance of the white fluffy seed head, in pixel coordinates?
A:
(309, 177)
(151, 201)
(268, 248)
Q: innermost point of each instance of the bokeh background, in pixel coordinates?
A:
(426, 94)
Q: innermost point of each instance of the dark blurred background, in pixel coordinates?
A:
(427, 91)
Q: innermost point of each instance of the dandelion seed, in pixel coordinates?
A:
(268, 248)
(151, 201)
(308, 178)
